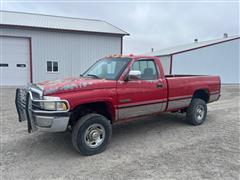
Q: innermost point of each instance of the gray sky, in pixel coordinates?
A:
(155, 25)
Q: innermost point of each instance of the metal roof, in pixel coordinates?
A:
(189, 47)
(20, 19)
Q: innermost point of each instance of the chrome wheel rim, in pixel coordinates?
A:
(199, 112)
(94, 135)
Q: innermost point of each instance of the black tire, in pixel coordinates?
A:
(81, 141)
(194, 112)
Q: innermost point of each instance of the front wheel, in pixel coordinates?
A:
(197, 112)
(91, 134)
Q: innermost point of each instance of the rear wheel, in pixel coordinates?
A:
(91, 134)
(197, 112)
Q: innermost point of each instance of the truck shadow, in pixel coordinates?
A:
(42, 144)
(160, 122)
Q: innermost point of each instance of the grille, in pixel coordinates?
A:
(21, 102)
(35, 95)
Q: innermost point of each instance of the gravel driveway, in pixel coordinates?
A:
(160, 147)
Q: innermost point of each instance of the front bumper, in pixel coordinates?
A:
(50, 121)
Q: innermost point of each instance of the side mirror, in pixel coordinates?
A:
(133, 75)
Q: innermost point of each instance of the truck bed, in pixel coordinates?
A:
(181, 88)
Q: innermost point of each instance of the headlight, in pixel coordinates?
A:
(61, 106)
(54, 104)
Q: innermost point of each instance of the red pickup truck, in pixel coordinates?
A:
(114, 89)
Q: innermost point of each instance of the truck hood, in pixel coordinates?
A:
(73, 84)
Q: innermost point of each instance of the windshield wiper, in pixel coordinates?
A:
(93, 75)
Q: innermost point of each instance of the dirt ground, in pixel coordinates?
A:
(161, 147)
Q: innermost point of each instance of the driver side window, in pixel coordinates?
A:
(147, 68)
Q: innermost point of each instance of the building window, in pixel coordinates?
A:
(52, 66)
(3, 65)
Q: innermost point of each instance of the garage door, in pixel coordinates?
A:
(14, 63)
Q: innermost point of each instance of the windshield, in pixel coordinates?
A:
(107, 68)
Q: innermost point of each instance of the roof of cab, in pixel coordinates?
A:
(130, 56)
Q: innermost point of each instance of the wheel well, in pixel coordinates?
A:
(202, 94)
(103, 108)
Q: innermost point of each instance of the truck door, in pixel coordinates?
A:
(144, 91)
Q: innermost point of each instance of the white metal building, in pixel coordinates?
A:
(41, 47)
(215, 57)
